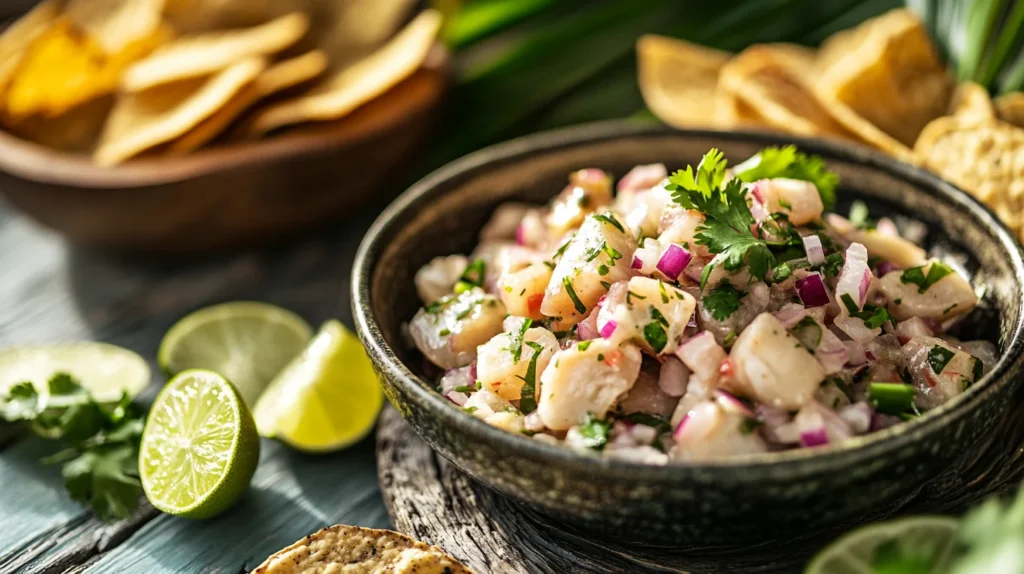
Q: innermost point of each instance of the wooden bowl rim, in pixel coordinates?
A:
(784, 465)
(36, 162)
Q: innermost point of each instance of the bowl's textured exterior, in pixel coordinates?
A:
(736, 501)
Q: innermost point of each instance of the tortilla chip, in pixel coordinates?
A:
(732, 113)
(117, 25)
(358, 27)
(348, 88)
(971, 101)
(77, 130)
(768, 80)
(355, 550)
(278, 77)
(887, 72)
(1010, 108)
(143, 120)
(984, 157)
(22, 33)
(204, 54)
(61, 69)
(679, 80)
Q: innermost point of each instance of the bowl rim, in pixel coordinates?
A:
(803, 461)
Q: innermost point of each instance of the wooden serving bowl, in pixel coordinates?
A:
(231, 195)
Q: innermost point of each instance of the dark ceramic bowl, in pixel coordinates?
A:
(728, 503)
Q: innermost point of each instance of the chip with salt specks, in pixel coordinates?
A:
(347, 89)
(117, 25)
(985, 157)
(679, 80)
(276, 78)
(141, 121)
(887, 71)
(60, 69)
(190, 57)
(354, 550)
(1010, 108)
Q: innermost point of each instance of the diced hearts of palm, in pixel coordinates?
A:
(494, 410)
(798, 200)
(580, 381)
(585, 264)
(708, 430)
(933, 388)
(948, 297)
(497, 368)
(588, 191)
(436, 279)
(649, 304)
(449, 331)
(772, 367)
(523, 291)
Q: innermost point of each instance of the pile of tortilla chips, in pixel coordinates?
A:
(120, 79)
(881, 84)
(355, 550)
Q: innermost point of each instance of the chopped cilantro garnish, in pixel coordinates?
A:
(595, 432)
(606, 285)
(808, 332)
(948, 309)
(580, 307)
(610, 220)
(651, 420)
(631, 295)
(613, 254)
(602, 270)
(873, 316)
(891, 398)
(583, 346)
(787, 162)
(833, 265)
(785, 205)
(654, 334)
(938, 358)
(527, 398)
(657, 316)
(848, 301)
(978, 369)
(469, 410)
(782, 272)
(444, 332)
(749, 425)
(722, 301)
(859, 216)
(474, 273)
(563, 247)
(916, 275)
(464, 389)
(516, 340)
(663, 292)
(600, 356)
(507, 288)
(461, 287)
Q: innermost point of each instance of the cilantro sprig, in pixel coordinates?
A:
(726, 230)
(100, 461)
(917, 276)
(722, 301)
(790, 163)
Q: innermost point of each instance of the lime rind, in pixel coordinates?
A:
(191, 464)
(855, 552)
(105, 370)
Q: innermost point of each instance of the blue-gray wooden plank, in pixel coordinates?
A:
(52, 291)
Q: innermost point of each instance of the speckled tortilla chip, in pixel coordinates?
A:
(347, 89)
(972, 102)
(984, 157)
(887, 72)
(141, 121)
(194, 56)
(276, 78)
(1010, 108)
(679, 80)
(353, 550)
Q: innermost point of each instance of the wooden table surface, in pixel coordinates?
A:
(52, 291)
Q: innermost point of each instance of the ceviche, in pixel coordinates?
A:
(702, 314)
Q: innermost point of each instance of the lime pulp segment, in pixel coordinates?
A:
(927, 541)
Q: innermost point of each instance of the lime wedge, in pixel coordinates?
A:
(247, 342)
(325, 399)
(915, 545)
(199, 448)
(104, 370)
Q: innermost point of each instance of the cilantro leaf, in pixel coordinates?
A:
(516, 340)
(528, 394)
(595, 432)
(790, 163)
(938, 358)
(709, 177)
(722, 301)
(21, 403)
(916, 275)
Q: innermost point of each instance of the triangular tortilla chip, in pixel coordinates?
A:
(194, 56)
(1010, 108)
(355, 550)
(117, 25)
(679, 80)
(887, 72)
(278, 77)
(971, 101)
(351, 87)
(140, 121)
(21, 34)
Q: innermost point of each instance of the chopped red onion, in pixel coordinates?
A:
(587, 328)
(673, 261)
(520, 234)
(679, 427)
(460, 377)
(757, 211)
(775, 422)
(608, 328)
(814, 437)
(673, 377)
(855, 277)
(731, 403)
(811, 290)
(815, 252)
(858, 416)
(886, 267)
(831, 352)
(637, 263)
(457, 397)
(790, 314)
(643, 177)
(886, 226)
(756, 191)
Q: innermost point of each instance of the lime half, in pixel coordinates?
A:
(325, 399)
(199, 448)
(247, 342)
(104, 370)
(915, 545)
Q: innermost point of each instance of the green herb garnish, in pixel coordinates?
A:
(938, 358)
(516, 340)
(790, 163)
(917, 276)
(891, 398)
(584, 345)
(528, 398)
(722, 301)
(610, 220)
(654, 334)
(808, 332)
(595, 432)
(651, 420)
(580, 307)
(474, 273)
(859, 216)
